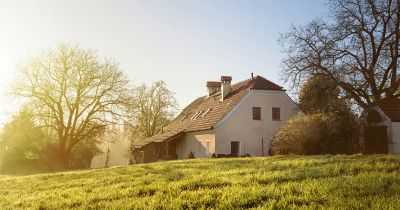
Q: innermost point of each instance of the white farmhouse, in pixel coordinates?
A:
(232, 120)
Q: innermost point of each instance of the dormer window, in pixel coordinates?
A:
(256, 113)
(184, 118)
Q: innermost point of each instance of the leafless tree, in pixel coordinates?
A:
(73, 93)
(153, 108)
(358, 48)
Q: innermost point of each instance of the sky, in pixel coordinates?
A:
(182, 42)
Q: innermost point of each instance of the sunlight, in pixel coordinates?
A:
(225, 104)
(7, 72)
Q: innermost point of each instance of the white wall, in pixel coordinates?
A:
(240, 126)
(396, 137)
(196, 142)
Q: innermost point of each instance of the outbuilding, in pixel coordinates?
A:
(380, 128)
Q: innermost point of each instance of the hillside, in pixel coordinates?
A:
(280, 182)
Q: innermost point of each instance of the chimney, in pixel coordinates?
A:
(212, 87)
(225, 86)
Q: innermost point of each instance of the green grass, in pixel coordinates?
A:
(361, 182)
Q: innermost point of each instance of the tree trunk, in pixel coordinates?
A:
(65, 159)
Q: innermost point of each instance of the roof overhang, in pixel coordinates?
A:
(151, 140)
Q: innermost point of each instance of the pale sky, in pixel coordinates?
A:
(183, 42)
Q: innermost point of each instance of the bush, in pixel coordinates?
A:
(316, 134)
(246, 155)
(191, 155)
(25, 148)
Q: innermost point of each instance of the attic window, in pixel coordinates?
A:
(194, 116)
(206, 112)
(184, 118)
(198, 114)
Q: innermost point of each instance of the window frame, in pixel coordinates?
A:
(260, 112)
(279, 114)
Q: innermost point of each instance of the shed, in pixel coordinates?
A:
(380, 127)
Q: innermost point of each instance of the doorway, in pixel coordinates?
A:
(376, 141)
(235, 147)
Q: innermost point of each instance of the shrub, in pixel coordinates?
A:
(315, 134)
(246, 155)
(191, 155)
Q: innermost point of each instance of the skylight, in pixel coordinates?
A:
(200, 113)
(206, 112)
(184, 118)
(196, 115)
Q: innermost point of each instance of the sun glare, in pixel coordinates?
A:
(7, 74)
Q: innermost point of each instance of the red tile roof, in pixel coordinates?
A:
(209, 110)
(391, 107)
(262, 84)
(226, 78)
(213, 84)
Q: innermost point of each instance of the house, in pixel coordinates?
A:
(230, 119)
(380, 127)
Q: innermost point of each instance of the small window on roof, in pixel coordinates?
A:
(206, 112)
(196, 115)
(184, 118)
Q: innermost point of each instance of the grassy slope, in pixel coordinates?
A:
(282, 182)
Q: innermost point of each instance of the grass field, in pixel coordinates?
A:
(362, 182)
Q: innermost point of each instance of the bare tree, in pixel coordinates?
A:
(153, 107)
(358, 49)
(73, 93)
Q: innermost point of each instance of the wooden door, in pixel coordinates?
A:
(234, 148)
(376, 141)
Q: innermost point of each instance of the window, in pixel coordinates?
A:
(206, 112)
(234, 148)
(276, 113)
(256, 113)
(196, 115)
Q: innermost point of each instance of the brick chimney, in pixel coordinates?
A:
(213, 87)
(225, 86)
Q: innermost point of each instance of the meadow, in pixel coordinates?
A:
(328, 182)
